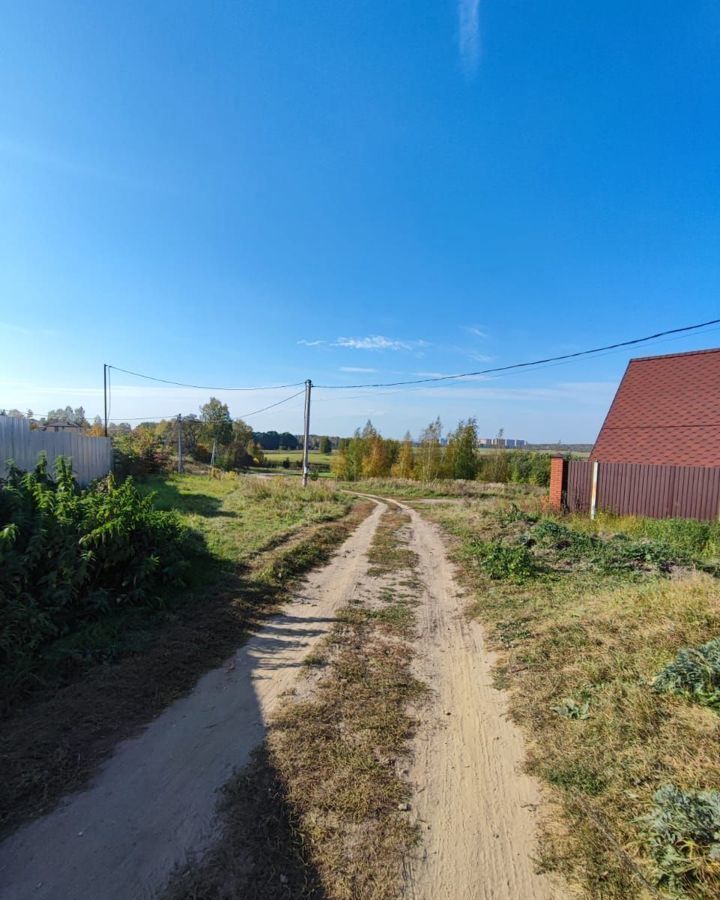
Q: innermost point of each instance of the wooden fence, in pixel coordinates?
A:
(91, 457)
(660, 492)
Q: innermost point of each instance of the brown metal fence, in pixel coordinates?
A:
(577, 486)
(660, 492)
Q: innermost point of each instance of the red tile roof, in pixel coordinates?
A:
(665, 412)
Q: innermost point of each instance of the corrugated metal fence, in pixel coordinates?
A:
(91, 457)
(661, 492)
(576, 490)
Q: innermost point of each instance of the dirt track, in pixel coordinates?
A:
(154, 801)
(476, 806)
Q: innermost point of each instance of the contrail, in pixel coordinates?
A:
(469, 20)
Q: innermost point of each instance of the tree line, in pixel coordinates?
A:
(369, 455)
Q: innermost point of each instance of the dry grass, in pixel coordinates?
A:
(54, 744)
(575, 637)
(335, 758)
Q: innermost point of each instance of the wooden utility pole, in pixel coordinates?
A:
(306, 438)
(105, 393)
(180, 444)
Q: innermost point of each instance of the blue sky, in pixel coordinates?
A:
(261, 192)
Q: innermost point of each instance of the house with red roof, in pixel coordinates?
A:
(666, 412)
(658, 451)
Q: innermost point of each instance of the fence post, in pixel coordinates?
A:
(593, 489)
(558, 465)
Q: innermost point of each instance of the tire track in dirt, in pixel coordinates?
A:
(154, 802)
(475, 805)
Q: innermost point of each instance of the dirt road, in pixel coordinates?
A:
(153, 803)
(476, 807)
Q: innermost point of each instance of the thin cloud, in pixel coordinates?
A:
(357, 369)
(471, 329)
(305, 343)
(29, 332)
(469, 34)
(378, 342)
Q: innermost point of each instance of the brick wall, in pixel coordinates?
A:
(557, 481)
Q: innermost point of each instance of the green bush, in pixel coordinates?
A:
(694, 673)
(140, 453)
(70, 557)
(503, 562)
(684, 835)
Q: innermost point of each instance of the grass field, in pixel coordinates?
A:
(241, 516)
(584, 621)
(314, 456)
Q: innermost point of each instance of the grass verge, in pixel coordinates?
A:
(334, 758)
(54, 743)
(585, 619)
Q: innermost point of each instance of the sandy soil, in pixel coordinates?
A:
(476, 807)
(154, 802)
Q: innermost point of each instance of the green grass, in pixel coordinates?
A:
(699, 539)
(314, 456)
(243, 515)
(581, 636)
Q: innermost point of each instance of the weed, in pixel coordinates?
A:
(503, 561)
(684, 836)
(570, 709)
(695, 674)
(70, 558)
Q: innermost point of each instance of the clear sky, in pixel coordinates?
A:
(265, 191)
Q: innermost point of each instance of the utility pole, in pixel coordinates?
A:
(105, 393)
(306, 439)
(180, 444)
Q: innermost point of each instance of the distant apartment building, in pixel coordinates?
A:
(507, 443)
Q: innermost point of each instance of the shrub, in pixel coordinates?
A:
(686, 536)
(694, 673)
(503, 562)
(617, 553)
(684, 835)
(140, 452)
(69, 557)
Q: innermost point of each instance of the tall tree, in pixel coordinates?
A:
(405, 465)
(218, 425)
(429, 458)
(465, 464)
(325, 445)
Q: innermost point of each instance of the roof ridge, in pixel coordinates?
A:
(671, 355)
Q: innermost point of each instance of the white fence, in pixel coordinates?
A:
(91, 457)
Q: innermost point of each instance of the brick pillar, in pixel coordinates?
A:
(558, 468)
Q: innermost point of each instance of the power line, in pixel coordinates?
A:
(523, 365)
(255, 412)
(205, 387)
(272, 405)
(494, 378)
